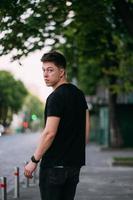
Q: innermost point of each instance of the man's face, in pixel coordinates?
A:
(52, 74)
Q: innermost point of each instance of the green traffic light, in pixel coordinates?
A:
(33, 117)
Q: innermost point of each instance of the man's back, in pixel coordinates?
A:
(68, 147)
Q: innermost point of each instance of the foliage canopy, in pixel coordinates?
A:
(12, 94)
(85, 30)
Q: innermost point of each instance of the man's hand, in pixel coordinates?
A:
(29, 169)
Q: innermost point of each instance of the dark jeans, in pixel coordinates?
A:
(58, 183)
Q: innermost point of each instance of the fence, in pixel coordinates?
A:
(3, 184)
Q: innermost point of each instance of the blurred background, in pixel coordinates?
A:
(97, 39)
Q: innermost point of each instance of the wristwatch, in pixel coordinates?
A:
(34, 160)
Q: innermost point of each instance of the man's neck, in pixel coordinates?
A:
(60, 83)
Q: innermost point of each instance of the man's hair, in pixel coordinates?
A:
(57, 58)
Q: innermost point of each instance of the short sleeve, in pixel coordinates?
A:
(86, 106)
(54, 105)
(84, 101)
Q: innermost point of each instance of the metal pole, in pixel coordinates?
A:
(34, 177)
(16, 182)
(27, 182)
(3, 187)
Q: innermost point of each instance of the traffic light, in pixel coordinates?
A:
(34, 117)
(25, 124)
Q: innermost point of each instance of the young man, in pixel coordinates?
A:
(62, 143)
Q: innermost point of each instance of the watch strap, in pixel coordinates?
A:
(34, 160)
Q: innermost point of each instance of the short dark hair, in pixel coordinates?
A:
(56, 57)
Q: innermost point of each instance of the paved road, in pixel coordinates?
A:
(15, 150)
(101, 181)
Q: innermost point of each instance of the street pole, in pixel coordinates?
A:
(3, 186)
(16, 182)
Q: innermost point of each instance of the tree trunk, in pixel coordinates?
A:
(4, 112)
(125, 11)
(115, 139)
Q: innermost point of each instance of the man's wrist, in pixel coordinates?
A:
(34, 160)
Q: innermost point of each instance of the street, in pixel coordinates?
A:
(98, 180)
(15, 150)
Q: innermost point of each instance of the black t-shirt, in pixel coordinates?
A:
(68, 147)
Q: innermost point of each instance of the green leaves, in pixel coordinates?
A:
(33, 109)
(26, 25)
(84, 30)
(12, 94)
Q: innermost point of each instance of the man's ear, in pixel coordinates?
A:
(62, 72)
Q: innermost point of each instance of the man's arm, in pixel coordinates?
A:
(87, 133)
(47, 136)
(45, 142)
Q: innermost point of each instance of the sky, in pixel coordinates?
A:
(30, 72)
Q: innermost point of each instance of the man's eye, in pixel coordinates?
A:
(50, 70)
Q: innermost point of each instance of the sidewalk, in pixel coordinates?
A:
(99, 180)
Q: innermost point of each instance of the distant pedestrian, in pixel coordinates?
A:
(62, 144)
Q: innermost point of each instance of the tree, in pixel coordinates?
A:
(12, 94)
(33, 110)
(26, 25)
(125, 11)
(91, 33)
(102, 42)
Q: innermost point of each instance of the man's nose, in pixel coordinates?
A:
(45, 74)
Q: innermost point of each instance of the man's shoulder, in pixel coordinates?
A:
(66, 89)
(55, 95)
